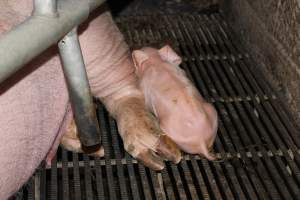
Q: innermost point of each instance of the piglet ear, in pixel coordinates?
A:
(168, 54)
(138, 57)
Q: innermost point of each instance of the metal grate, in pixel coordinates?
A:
(258, 142)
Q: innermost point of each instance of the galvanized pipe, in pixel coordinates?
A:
(79, 90)
(52, 20)
(39, 32)
(45, 7)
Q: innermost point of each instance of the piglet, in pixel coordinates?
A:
(183, 114)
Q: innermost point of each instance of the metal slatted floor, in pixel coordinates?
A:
(257, 144)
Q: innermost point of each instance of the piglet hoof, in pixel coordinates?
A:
(168, 149)
(70, 141)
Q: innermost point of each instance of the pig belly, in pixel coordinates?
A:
(33, 107)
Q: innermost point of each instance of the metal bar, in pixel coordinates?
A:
(54, 183)
(189, 181)
(43, 182)
(120, 167)
(158, 191)
(30, 189)
(65, 174)
(87, 178)
(132, 178)
(178, 182)
(106, 145)
(38, 32)
(223, 182)
(145, 182)
(99, 179)
(168, 184)
(45, 7)
(200, 180)
(79, 90)
(76, 177)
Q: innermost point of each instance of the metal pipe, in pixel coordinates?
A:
(45, 7)
(39, 32)
(79, 90)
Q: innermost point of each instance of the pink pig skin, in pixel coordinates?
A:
(34, 103)
(183, 114)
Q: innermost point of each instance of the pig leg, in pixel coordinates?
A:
(71, 142)
(111, 75)
(141, 133)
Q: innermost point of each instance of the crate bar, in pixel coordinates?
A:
(34, 35)
(87, 178)
(120, 167)
(159, 193)
(99, 179)
(79, 90)
(179, 185)
(45, 7)
(76, 177)
(132, 178)
(43, 181)
(188, 179)
(167, 184)
(54, 183)
(105, 142)
(223, 182)
(30, 189)
(65, 175)
(200, 179)
(145, 182)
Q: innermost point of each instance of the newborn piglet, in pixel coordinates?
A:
(183, 114)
